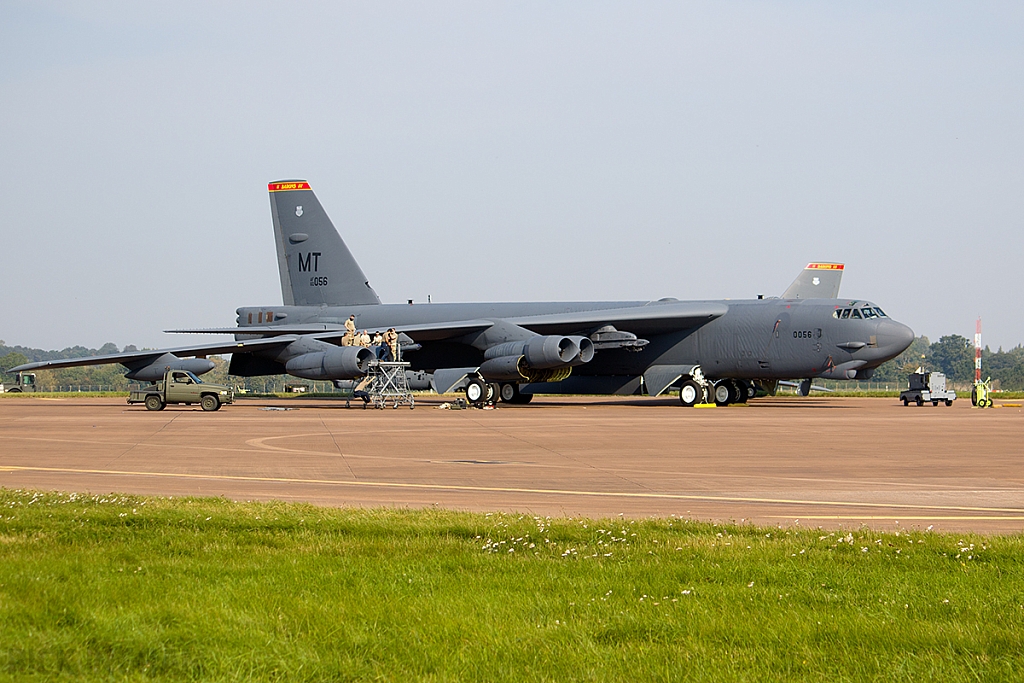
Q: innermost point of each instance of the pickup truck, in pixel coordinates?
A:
(927, 386)
(181, 386)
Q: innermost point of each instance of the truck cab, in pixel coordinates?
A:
(23, 382)
(182, 386)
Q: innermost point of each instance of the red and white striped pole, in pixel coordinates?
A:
(977, 352)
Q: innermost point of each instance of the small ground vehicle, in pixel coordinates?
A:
(23, 381)
(181, 386)
(927, 386)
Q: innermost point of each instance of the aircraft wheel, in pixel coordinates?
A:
(154, 403)
(509, 393)
(723, 393)
(210, 403)
(493, 392)
(805, 387)
(690, 393)
(476, 391)
(742, 392)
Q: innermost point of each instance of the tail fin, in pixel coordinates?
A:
(316, 266)
(817, 281)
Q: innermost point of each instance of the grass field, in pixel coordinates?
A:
(125, 588)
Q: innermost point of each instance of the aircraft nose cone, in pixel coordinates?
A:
(894, 338)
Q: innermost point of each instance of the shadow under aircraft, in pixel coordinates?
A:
(720, 351)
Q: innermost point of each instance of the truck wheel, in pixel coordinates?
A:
(948, 403)
(906, 401)
(935, 402)
(920, 401)
(153, 402)
(210, 402)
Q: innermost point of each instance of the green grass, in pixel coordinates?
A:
(125, 588)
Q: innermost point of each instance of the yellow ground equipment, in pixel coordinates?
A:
(981, 394)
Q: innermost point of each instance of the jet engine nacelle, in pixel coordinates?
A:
(586, 353)
(154, 370)
(541, 352)
(341, 362)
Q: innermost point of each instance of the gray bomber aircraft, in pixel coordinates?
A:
(722, 351)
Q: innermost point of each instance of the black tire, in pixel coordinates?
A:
(742, 391)
(974, 396)
(153, 402)
(906, 401)
(507, 392)
(210, 403)
(948, 403)
(476, 391)
(723, 393)
(493, 392)
(935, 402)
(920, 401)
(690, 393)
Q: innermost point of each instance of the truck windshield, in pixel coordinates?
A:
(194, 378)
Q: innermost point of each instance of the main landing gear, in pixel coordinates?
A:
(696, 390)
(479, 393)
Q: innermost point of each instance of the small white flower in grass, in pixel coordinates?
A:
(863, 550)
(687, 591)
(750, 585)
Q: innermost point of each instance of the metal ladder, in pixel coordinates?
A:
(389, 383)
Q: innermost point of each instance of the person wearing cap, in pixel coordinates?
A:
(349, 338)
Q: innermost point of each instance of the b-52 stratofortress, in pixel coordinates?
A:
(721, 351)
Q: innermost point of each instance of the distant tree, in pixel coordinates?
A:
(107, 349)
(953, 355)
(897, 369)
(11, 360)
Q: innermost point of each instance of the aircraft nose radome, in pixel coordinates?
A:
(894, 337)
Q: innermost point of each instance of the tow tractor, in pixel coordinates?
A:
(927, 386)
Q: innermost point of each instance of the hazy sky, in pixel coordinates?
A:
(509, 151)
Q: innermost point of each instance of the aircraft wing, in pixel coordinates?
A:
(137, 356)
(327, 332)
(650, 319)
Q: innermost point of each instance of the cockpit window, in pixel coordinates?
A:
(880, 312)
(855, 314)
(868, 313)
(835, 313)
(846, 314)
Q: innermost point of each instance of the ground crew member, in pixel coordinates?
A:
(378, 338)
(364, 339)
(349, 338)
(391, 339)
(361, 392)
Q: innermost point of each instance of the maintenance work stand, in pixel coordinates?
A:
(388, 382)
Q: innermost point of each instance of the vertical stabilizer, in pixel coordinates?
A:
(316, 267)
(817, 281)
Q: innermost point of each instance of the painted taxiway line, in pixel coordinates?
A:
(511, 490)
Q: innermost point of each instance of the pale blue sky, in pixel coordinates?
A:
(510, 151)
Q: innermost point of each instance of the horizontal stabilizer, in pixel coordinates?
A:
(817, 281)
